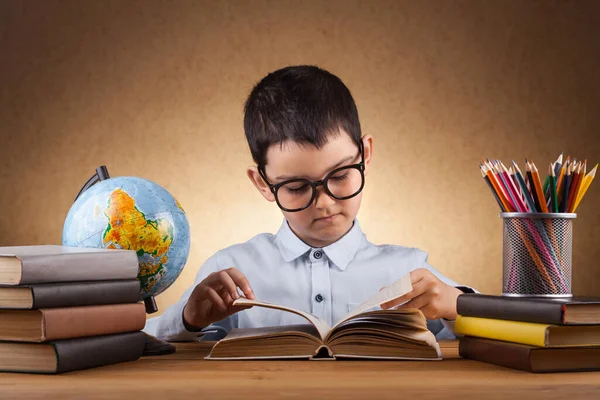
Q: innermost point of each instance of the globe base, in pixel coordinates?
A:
(157, 347)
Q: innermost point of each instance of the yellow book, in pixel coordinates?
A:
(542, 335)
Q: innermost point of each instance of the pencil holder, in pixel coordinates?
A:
(537, 252)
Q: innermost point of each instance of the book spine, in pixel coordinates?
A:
(85, 293)
(497, 307)
(508, 331)
(76, 354)
(498, 353)
(109, 265)
(72, 322)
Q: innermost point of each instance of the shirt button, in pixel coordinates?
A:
(319, 298)
(318, 254)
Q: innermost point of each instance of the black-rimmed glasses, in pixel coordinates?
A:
(298, 194)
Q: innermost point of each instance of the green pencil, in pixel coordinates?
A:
(554, 197)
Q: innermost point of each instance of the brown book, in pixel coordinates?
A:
(530, 358)
(69, 294)
(71, 354)
(555, 311)
(22, 265)
(71, 322)
(380, 334)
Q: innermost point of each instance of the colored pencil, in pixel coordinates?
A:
(575, 176)
(538, 187)
(580, 175)
(506, 207)
(565, 190)
(511, 173)
(487, 180)
(536, 199)
(554, 198)
(518, 201)
(584, 186)
(561, 177)
(495, 178)
(524, 189)
(555, 165)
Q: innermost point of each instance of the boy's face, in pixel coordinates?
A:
(327, 219)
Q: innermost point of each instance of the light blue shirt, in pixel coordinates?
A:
(328, 282)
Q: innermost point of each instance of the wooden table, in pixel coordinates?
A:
(186, 375)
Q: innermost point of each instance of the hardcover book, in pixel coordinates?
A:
(71, 354)
(69, 294)
(21, 265)
(556, 311)
(542, 335)
(530, 358)
(379, 334)
(64, 323)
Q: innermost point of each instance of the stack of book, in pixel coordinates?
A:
(65, 308)
(530, 334)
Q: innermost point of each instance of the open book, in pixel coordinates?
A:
(379, 334)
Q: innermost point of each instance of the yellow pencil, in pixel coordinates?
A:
(584, 186)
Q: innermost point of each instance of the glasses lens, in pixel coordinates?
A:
(345, 182)
(295, 194)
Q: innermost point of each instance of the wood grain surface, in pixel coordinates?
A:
(186, 374)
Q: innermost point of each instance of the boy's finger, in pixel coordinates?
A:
(417, 275)
(395, 302)
(430, 312)
(226, 298)
(228, 284)
(214, 281)
(231, 308)
(416, 302)
(241, 282)
(215, 299)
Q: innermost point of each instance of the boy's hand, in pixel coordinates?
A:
(433, 297)
(212, 298)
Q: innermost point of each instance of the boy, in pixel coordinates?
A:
(304, 134)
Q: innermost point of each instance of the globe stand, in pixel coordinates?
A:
(100, 175)
(154, 346)
(150, 304)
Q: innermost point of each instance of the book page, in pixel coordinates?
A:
(394, 291)
(397, 289)
(322, 327)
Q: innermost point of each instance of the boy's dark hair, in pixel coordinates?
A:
(304, 104)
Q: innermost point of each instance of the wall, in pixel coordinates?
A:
(156, 89)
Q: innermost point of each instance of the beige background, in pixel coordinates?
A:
(156, 89)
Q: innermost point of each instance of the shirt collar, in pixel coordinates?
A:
(340, 252)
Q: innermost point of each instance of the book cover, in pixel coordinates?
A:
(64, 323)
(71, 354)
(556, 311)
(529, 333)
(69, 294)
(21, 265)
(530, 358)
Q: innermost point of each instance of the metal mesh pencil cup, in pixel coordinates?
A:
(537, 252)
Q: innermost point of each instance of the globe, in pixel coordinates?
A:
(134, 214)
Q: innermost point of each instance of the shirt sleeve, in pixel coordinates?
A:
(443, 328)
(170, 327)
